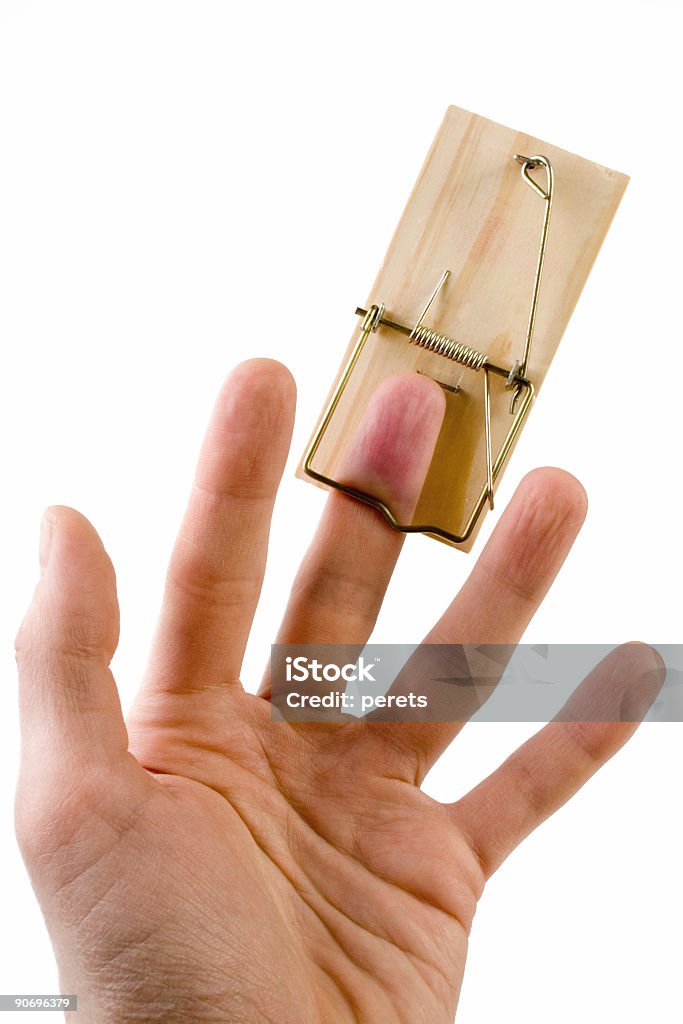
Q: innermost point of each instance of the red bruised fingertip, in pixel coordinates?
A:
(391, 451)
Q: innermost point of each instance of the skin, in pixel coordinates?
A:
(202, 863)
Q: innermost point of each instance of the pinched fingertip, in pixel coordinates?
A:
(390, 453)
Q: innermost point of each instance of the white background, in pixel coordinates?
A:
(186, 184)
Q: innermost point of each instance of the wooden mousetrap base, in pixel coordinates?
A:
(473, 213)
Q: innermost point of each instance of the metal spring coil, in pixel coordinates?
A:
(448, 348)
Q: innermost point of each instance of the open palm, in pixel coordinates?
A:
(204, 863)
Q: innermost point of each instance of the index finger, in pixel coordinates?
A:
(217, 566)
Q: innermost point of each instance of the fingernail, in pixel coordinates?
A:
(47, 524)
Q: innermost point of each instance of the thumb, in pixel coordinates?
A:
(69, 706)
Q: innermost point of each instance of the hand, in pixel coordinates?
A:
(207, 864)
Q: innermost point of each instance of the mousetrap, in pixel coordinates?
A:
(477, 287)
